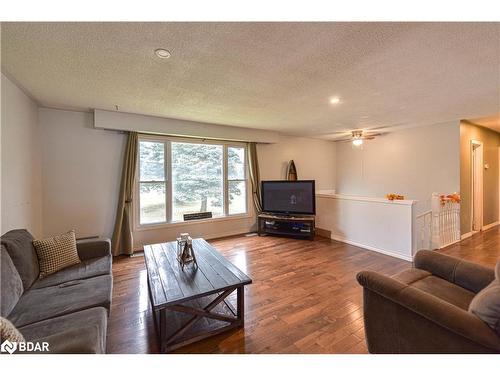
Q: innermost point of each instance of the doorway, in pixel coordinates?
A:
(477, 186)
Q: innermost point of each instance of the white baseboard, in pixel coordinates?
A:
(371, 248)
(486, 227)
(466, 235)
(452, 243)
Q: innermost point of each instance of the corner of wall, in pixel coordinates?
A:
(21, 160)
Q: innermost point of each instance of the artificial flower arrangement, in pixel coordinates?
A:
(454, 198)
(393, 196)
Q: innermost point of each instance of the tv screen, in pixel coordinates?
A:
(289, 197)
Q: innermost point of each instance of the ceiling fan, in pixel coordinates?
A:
(357, 137)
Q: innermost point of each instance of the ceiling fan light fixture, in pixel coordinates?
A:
(357, 142)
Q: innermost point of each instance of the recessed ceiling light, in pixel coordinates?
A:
(335, 100)
(162, 53)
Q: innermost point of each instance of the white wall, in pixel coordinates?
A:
(81, 173)
(413, 162)
(20, 164)
(215, 228)
(314, 159)
(81, 179)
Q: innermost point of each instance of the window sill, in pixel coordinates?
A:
(191, 222)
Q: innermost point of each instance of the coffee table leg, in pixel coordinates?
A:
(240, 305)
(163, 333)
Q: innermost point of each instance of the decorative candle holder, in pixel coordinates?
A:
(185, 252)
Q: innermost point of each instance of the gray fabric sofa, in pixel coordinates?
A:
(68, 309)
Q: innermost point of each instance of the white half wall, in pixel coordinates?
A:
(21, 188)
(374, 224)
(314, 159)
(414, 162)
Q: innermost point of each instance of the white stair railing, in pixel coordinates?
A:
(424, 230)
(445, 221)
(439, 227)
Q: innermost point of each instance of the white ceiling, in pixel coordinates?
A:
(277, 76)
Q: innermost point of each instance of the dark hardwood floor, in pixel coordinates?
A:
(304, 297)
(483, 248)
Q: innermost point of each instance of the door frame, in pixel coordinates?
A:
(477, 181)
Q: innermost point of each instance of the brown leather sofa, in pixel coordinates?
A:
(425, 309)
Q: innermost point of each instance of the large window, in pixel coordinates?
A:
(197, 179)
(181, 177)
(236, 180)
(152, 182)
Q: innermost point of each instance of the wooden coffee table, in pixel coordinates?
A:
(195, 303)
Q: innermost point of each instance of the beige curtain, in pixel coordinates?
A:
(122, 241)
(253, 167)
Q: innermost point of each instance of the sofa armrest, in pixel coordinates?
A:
(471, 276)
(93, 248)
(433, 309)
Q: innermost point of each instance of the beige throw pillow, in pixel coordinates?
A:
(56, 253)
(486, 304)
(9, 332)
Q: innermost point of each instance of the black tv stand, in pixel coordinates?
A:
(297, 226)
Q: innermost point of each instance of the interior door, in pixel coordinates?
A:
(477, 186)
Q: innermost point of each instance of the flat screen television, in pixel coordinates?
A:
(289, 197)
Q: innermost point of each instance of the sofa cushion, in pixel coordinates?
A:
(19, 245)
(80, 332)
(56, 253)
(486, 304)
(84, 340)
(40, 304)
(411, 275)
(436, 286)
(84, 270)
(11, 285)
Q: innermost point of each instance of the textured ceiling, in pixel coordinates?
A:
(277, 76)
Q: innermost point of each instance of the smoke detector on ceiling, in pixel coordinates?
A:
(163, 53)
